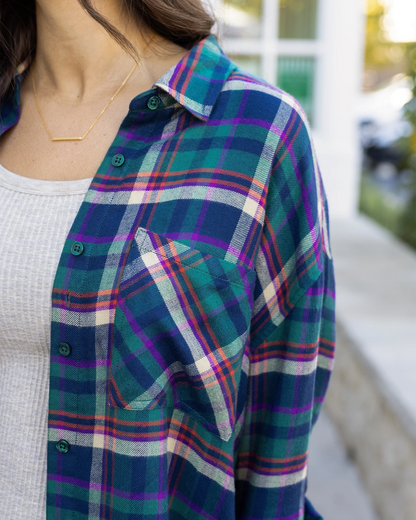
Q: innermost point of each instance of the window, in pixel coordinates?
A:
(242, 18)
(251, 64)
(297, 19)
(296, 75)
(277, 40)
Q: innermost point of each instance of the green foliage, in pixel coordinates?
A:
(380, 52)
(408, 223)
(411, 106)
(407, 229)
(377, 205)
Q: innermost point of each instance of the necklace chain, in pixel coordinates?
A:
(55, 139)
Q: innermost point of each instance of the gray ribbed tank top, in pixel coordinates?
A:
(35, 218)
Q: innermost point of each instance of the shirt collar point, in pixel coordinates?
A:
(199, 77)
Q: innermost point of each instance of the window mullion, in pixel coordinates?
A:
(269, 37)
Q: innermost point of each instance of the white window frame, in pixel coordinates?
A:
(268, 47)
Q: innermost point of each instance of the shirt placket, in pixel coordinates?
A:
(83, 303)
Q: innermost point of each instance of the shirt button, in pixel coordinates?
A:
(117, 160)
(64, 349)
(153, 102)
(62, 446)
(77, 248)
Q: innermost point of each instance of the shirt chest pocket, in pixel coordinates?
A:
(181, 324)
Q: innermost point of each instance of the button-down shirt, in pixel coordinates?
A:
(192, 326)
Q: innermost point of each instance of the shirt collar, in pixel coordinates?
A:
(197, 80)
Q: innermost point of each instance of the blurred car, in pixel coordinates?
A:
(383, 127)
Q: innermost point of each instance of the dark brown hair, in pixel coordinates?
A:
(184, 22)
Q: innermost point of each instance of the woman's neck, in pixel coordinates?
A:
(76, 57)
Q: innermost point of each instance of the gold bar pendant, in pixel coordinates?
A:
(67, 138)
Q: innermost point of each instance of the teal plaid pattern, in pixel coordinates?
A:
(200, 314)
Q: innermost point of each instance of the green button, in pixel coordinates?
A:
(117, 160)
(153, 102)
(62, 446)
(77, 248)
(64, 349)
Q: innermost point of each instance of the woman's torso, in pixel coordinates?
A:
(35, 219)
(218, 193)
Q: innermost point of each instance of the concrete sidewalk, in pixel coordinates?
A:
(334, 485)
(371, 397)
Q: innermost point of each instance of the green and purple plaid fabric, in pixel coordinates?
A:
(201, 312)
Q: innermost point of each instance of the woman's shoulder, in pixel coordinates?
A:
(253, 97)
(267, 115)
(273, 123)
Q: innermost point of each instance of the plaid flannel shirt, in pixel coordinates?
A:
(200, 312)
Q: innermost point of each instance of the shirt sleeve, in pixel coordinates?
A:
(292, 337)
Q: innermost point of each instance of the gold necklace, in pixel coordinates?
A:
(54, 139)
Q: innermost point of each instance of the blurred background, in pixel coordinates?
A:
(352, 66)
